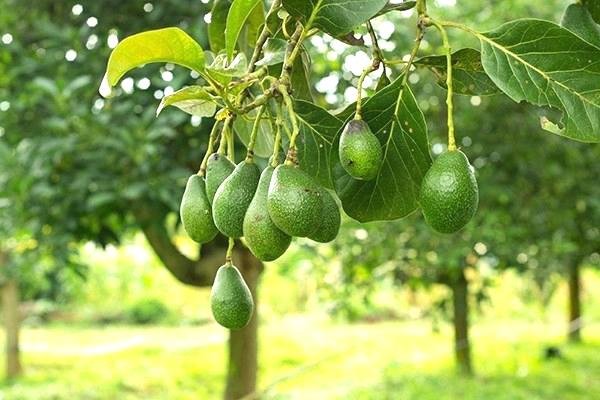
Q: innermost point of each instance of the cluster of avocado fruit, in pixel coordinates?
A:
(268, 209)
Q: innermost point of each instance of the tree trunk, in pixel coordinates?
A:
(12, 324)
(243, 344)
(460, 302)
(574, 330)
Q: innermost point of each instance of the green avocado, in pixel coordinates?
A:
(218, 168)
(360, 151)
(230, 298)
(449, 195)
(294, 201)
(195, 212)
(330, 219)
(264, 239)
(233, 198)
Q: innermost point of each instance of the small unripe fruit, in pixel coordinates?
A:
(195, 212)
(360, 151)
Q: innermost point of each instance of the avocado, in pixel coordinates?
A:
(449, 194)
(233, 198)
(264, 239)
(330, 219)
(195, 212)
(294, 201)
(360, 151)
(230, 298)
(218, 168)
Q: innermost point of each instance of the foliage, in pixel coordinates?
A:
(148, 311)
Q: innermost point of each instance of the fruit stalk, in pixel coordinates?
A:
(295, 128)
(209, 149)
(449, 102)
(253, 134)
(277, 143)
(229, 253)
(223, 143)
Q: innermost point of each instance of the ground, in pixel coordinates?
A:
(307, 357)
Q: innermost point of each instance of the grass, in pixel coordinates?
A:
(306, 357)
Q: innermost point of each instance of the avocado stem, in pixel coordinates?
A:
(209, 148)
(449, 102)
(229, 250)
(223, 143)
(277, 144)
(250, 153)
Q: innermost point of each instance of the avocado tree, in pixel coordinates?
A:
(257, 88)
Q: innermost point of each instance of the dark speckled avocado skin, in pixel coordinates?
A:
(230, 298)
(195, 212)
(218, 168)
(449, 193)
(264, 239)
(360, 151)
(294, 201)
(330, 219)
(233, 198)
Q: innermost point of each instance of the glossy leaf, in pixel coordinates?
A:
(469, 77)
(547, 65)
(193, 100)
(403, 135)
(335, 17)
(169, 45)
(578, 20)
(238, 14)
(218, 22)
(318, 129)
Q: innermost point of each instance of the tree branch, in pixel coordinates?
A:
(198, 273)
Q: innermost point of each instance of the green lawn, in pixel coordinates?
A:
(307, 358)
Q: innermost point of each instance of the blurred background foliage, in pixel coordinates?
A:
(76, 169)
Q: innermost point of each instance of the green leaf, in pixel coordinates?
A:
(469, 77)
(218, 22)
(223, 71)
(169, 45)
(546, 65)
(578, 20)
(273, 53)
(335, 17)
(402, 131)
(238, 14)
(301, 78)
(406, 5)
(593, 7)
(193, 100)
(318, 129)
(264, 139)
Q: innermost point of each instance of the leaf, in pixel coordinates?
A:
(222, 71)
(406, 5)
(273, 53)
(383, 81)
(318, 129)
(546, 65)
(301, 78)
(238, 14)
(169, 45)
(403, 136)
(218, 22)
(468, 75)
(264, 138)
(193, 100)
(593, 7)
(578, 20)
(335, 17)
